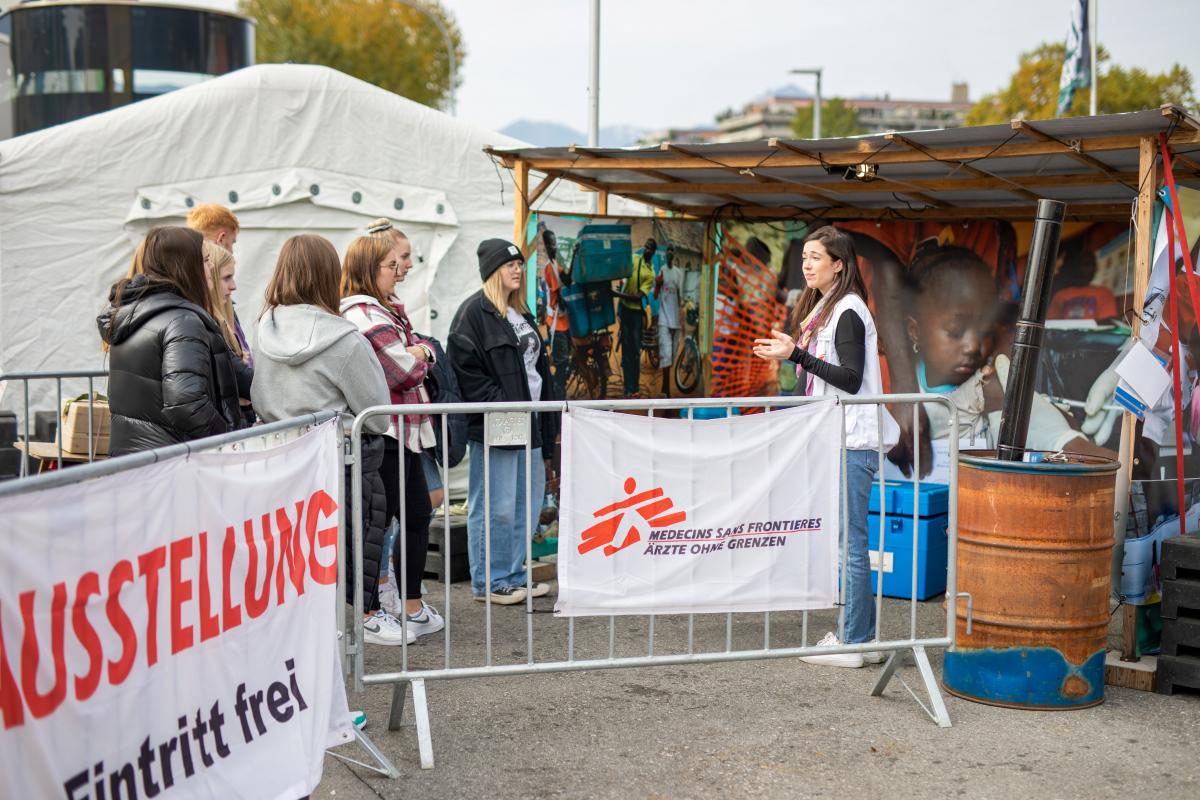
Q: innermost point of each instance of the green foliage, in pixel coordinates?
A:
(384, 42)
(1032, 93)
(837, 119)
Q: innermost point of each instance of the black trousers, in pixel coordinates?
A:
(417, 513)
(633, 322)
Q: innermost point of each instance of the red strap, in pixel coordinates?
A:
(1175, 377)
(1176, 217)
(1175, 225)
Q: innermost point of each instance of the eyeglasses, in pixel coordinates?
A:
(394, 267)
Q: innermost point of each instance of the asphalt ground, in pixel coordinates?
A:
(766, 728)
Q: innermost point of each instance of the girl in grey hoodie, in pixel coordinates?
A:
(310, 359)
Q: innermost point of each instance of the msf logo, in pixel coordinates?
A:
(653, 510)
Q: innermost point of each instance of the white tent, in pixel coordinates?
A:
(288, 148)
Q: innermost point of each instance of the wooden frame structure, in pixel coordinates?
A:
(1106, 168)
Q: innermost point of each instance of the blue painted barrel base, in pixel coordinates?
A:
(1037, 678)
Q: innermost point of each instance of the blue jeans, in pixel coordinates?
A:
(507, 512)
(858, 615)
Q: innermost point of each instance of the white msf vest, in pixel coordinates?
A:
(862, 429)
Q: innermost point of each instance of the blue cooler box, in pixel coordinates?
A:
(932, 510)
(602, 253)
(589, 307)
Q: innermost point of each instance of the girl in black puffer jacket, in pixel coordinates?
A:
(171, 375)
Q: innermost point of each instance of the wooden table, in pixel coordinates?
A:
(46, 454)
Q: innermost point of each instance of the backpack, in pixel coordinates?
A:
(442, 385)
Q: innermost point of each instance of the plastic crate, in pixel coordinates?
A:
(898, 556)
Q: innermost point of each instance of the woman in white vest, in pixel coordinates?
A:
(835, 352)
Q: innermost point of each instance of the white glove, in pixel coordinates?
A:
(1099, 395)
(1102, 391)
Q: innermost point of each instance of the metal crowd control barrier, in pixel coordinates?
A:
(90, 375)
(509, 424)
(259, 437)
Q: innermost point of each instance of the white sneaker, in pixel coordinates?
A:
(539, 590)
(504, 596)
(389, 599)
(428, 621)
(382, 628)
(848, 660)
(875, 656)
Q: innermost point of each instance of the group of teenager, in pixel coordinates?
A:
(333, 336)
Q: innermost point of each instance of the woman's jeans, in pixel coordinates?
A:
(859, 611)
(508, 511)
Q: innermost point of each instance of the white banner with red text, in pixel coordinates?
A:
(170, 631)
(673, 516)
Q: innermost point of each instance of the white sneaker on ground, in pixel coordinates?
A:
(382, 628)
(540, 590)
(505, 595)
(875, 657)
(427, 621)
(848, 660)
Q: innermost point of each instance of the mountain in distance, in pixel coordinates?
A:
(555, 134)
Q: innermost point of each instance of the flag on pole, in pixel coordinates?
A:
(1077, 66)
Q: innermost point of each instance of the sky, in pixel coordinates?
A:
(678, 62)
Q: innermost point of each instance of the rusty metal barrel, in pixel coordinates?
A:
(1034, 549)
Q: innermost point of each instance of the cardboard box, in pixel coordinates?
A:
(74, 430)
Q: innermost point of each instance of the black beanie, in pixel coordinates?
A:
(493, 253)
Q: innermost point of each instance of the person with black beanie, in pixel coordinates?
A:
(499, 356)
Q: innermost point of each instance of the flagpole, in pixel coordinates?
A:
(1092, 37)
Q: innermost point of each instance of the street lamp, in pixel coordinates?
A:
(817, 102)
(452, 57)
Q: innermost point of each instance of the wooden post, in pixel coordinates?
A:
(708, 294)
(1143, 257)
(520, 204)
(602, 204)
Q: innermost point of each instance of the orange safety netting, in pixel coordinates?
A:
(747, 309)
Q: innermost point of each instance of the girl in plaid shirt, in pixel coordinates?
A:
(373, 265)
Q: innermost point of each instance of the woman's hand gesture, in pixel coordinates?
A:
(778, 348)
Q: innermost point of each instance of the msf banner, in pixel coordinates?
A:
(670, 516)
(169, 631)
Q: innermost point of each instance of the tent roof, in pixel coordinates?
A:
(1091, 163)
(290, 148)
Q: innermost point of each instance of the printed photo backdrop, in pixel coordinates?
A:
(580, 265)
(945, 298)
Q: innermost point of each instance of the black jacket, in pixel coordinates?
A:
(487, 360)
(442, 384)
(372, 505)
(171, 375)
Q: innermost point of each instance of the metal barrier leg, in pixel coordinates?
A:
(382, 766)
(937, 706)
(396, 716)
(889, 669)
(939, 713)
(421, 712)
(420, 717)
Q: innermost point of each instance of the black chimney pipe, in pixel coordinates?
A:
(1027, 345)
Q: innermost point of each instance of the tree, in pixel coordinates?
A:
(384, 42)
(838, 118)
(1032, 93)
